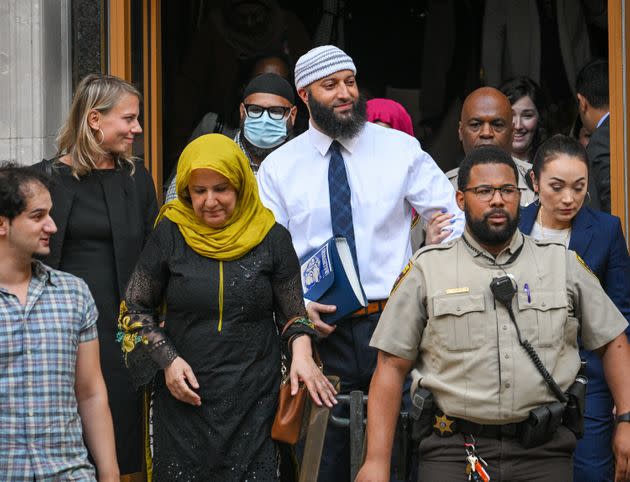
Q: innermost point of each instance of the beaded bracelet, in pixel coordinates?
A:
(305, 322)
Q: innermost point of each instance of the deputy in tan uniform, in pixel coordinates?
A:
(443, 323)
(485, 120)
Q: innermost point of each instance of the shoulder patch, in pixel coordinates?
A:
(585, 266)
(401, 276)
(415, 219)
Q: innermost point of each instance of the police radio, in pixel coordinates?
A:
(503, 288)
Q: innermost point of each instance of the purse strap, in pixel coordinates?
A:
(289, 323)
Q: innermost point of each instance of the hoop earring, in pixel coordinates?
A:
(102, 136)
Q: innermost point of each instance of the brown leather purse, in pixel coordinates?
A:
(287, 425)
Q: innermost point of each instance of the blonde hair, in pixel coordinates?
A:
(76, 138)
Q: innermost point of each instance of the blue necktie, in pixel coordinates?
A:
(340, 199)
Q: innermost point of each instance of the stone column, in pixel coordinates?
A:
(35, 77)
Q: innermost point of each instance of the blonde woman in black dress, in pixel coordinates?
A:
(104, 206)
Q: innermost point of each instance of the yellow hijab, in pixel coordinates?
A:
(250, 222)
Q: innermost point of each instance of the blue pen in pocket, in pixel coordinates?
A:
(529, 294)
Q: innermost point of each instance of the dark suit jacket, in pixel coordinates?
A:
(132, 210)
(598, 151)
(598, 239)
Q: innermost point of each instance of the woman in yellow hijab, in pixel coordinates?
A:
(226, 279)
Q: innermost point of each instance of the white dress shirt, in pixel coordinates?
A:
(603, 119)
(388, 173)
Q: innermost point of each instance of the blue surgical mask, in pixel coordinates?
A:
(264, 131)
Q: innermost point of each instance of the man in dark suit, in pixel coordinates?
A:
(592, 94)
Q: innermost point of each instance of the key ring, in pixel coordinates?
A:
(469, 446)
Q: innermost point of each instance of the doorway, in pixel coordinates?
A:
(427, 54)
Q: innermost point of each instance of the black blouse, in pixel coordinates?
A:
(172, 278)
(237, 364)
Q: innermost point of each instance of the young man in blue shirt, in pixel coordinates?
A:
(52, 393)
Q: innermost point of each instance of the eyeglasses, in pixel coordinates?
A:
(276, 112)
(485, 193)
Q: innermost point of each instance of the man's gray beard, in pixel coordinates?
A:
(331, 125)
(258, 154)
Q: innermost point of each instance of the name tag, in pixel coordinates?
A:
(454, 291)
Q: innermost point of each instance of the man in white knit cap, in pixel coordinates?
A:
(347, 177)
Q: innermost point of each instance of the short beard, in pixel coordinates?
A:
(334, 126)
(260, 153)
(482, 232)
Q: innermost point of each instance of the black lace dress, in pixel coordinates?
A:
(237, 365)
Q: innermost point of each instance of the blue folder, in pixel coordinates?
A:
(329, 276)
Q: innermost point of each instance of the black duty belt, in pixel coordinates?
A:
(446, 426)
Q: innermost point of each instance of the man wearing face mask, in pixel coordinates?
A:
(267, 117)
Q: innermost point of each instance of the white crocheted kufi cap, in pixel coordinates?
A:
(321, 62)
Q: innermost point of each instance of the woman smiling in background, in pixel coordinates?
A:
(529, 114)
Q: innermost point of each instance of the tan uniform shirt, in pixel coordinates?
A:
(527, 195)
(442, 315)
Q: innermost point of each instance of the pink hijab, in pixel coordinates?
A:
(390, 112)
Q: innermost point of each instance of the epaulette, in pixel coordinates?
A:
(433, 247)
(546, 242)
(405, 271)
(452, 174)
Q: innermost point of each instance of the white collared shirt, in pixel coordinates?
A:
(388, 173)
(603, 119)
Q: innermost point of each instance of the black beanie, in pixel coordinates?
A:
(270, 84)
